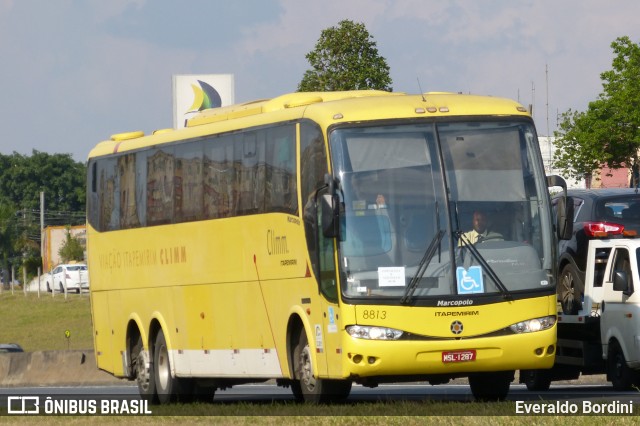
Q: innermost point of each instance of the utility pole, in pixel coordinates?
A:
(42, 226)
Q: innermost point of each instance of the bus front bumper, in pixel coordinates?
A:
(367, 358)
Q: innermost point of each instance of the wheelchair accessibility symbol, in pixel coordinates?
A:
(469, 280)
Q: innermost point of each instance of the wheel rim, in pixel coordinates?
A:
(142, 371)
(306, 370)
(566, 288)
(162, 367)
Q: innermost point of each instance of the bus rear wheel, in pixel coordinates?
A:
(145, 378)
(491, 386)
(309, 388)
(169, 388)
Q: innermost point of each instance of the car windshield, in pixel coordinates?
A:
(400, 227)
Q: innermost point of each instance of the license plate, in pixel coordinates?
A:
(459, 356)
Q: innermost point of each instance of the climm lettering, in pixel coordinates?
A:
(171, 255)
(276, 244)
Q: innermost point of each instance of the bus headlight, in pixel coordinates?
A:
(373, 333)
(535, 324)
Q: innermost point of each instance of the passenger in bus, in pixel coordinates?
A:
(480, 231)
(363, 198)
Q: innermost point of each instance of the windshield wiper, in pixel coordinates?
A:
(482, 261)
(422, 266)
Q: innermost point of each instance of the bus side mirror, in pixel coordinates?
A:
(330, 215)
(564, 209)
(564, 223)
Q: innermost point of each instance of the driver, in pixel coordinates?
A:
(480, 231)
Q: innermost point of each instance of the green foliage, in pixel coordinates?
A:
(578, 152)
(7, 232)
(608, 132)
(22, 178)
(345, 58)
(71, 249)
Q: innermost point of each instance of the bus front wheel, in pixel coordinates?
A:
(492, 386)
(309, 388)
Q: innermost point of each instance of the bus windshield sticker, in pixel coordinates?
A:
(391, 276)
(469, 280)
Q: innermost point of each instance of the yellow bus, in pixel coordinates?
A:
(320, 239)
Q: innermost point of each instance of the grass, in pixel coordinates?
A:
(39, 323)
(327, 420)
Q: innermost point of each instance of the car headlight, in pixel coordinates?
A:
(532, 325)
(373, 333)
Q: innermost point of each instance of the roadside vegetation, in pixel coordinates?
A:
(40, 323)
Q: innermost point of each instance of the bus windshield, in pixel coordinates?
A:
(441, 209)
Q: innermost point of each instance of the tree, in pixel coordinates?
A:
(608, 132)
(71, 249)
(345, 58)
(7, 232)
(22, 178)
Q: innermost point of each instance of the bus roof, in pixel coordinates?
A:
(326, 108)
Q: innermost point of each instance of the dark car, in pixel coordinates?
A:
(10, 347)
(610, 210)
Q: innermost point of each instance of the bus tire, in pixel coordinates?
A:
(621, 376)
(490, 386)
(168, 387)
(144, 374)
(311, 389)
(296, 389)
(536, 380)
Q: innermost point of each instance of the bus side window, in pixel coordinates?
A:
(160, 186)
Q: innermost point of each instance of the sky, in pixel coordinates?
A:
(74, 72)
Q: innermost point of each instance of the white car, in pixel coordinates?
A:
(69, 277)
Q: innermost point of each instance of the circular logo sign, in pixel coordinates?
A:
(456, 327)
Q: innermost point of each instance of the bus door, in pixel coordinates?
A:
(329, 336)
